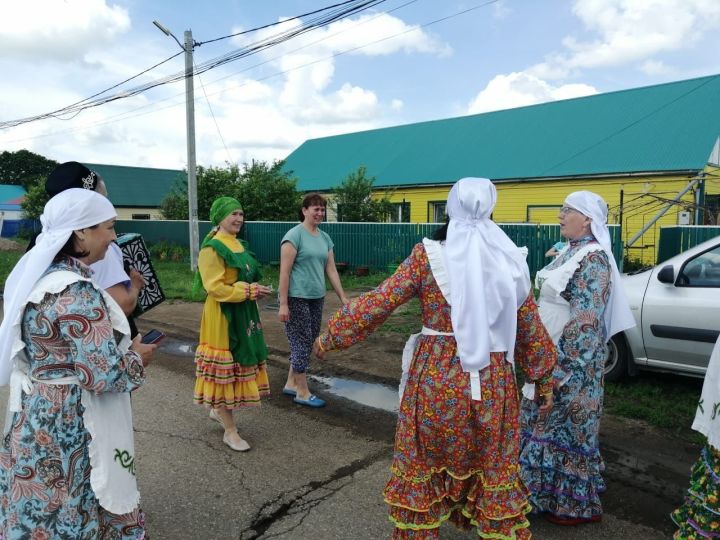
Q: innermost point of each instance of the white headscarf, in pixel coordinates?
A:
(618, 316)
(71, 210)
(489, 276)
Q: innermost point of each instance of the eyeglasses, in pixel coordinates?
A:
(567, 210)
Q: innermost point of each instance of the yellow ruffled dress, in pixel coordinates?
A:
(221, 380)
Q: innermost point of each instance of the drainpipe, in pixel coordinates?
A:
(662, 212)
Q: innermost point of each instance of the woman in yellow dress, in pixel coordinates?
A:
(230, 359)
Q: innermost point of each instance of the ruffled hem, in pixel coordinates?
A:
(699, 516)
(219, 367)
(242, 392)
(497, 511)
(560, 481)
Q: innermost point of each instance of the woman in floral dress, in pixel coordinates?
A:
(582, 305)
(699, 516)
(67, 461)
(456, 445)
(230, 359)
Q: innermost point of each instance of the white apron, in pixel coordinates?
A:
(107, 416)
(707, 417)
(553, 308)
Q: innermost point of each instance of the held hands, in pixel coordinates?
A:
(145, 350)
(545, 402)
(318, 350)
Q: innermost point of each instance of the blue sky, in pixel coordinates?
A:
(502, 54)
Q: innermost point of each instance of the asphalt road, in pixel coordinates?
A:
(319, 474)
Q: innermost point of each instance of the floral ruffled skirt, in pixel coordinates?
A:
(699, 517)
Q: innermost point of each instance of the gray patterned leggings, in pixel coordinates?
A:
(302, 329)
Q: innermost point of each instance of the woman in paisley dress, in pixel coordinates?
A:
(699, 517)
(230, 359)
(457, 442)
(582, 305)
(65, 350)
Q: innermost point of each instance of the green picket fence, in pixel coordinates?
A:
(675, 239)
(375, 245)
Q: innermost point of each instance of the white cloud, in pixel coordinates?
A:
(309, 63)
(501, 10)
(630, 31)
(654, 67)
(521, 89)
(55, 30)
(255, 119)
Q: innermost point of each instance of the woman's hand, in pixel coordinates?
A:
(344, 299)
(284, 313)
(145, 350)
(318, 350)
(137, 279)
(262, 290)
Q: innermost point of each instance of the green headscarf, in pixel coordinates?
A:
(222, 207)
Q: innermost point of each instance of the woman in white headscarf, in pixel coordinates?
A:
(582, 305)
(67, 466)
(456, 445)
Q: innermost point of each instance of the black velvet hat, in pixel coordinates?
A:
(70, 175)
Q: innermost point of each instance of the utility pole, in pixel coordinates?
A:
(191, 166)
(193, 235)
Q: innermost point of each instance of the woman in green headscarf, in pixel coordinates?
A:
(230, 358)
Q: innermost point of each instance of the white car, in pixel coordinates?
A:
(677, 309)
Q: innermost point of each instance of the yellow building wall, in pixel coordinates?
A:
(539, 202)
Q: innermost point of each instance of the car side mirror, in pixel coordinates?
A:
(666, 274)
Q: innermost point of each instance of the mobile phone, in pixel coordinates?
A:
(152, 337)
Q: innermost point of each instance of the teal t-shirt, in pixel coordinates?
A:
(307, 277)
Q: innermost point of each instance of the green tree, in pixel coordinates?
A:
(268, 193)
(212, 182)
(34, 201)
(353, 200)
(24, 168)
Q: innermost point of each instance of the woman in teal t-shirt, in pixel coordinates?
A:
(306, 256)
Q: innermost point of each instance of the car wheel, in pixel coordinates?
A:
(617, 359)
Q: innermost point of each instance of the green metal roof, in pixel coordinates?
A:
(137, 186)
(664, 128)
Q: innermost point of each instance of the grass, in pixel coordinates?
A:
(663, 400)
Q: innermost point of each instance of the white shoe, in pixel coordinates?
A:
(214, 416)
(242, 446)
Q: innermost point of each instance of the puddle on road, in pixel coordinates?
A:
(370, 394)
(177, 347)
(374, 395)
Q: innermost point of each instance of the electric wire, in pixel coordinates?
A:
(72, 110)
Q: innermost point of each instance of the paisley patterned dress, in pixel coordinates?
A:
(455, 458)
(45, 489)
(560, 452)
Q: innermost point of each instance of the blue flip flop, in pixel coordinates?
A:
(289, 392)
(312, 401)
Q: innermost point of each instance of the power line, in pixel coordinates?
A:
(283, 72)
(352, 7)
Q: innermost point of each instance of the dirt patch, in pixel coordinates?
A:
(11, 245)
